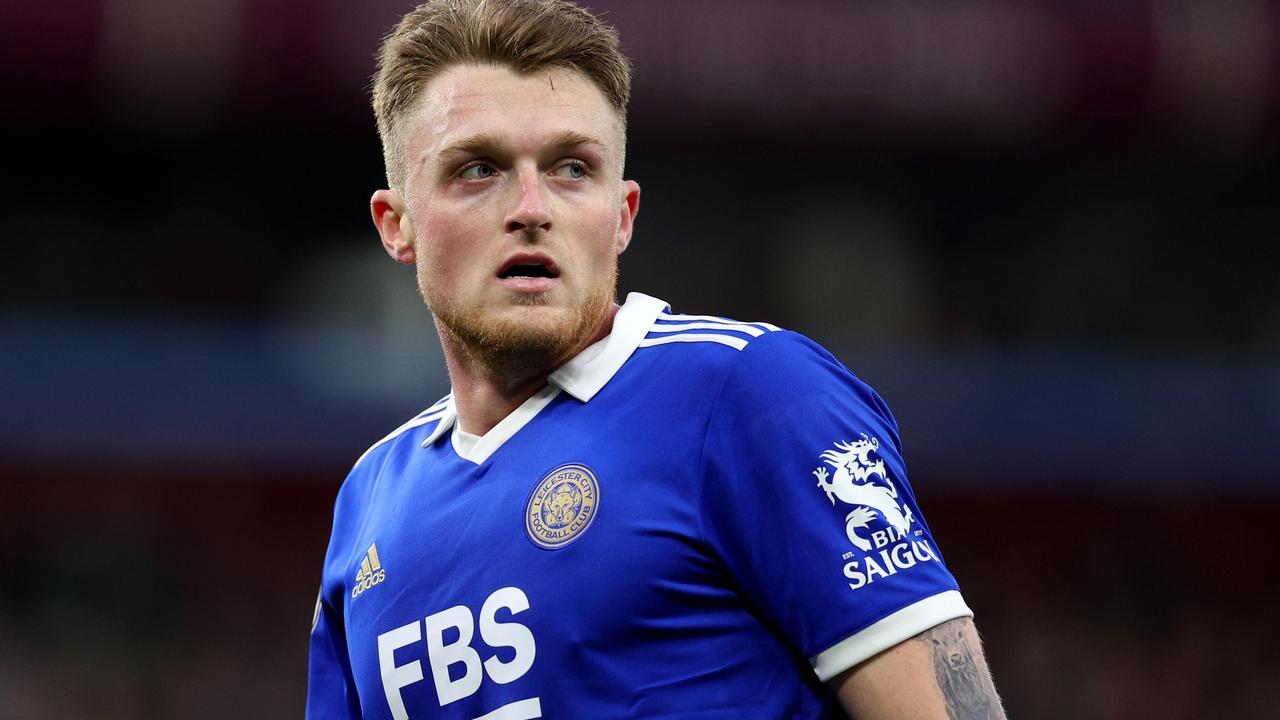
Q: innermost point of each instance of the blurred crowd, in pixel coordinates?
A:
(1041, 230)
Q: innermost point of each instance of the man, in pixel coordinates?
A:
(618, 511)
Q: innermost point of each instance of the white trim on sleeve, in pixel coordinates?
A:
(889, 631)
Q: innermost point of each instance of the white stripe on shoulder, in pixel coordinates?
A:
(432, 414)
(723, 322)
(681, 316)
(751, 330)
(736, 343)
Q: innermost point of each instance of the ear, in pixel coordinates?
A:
(394, 225)
(630, 208)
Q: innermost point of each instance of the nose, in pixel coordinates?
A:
(530, 211)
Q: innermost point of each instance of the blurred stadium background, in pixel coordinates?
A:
(1043, 230)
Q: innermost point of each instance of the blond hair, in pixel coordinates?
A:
(524, 35)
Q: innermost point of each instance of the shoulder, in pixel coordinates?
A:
(688, 355)
(785, 381)
(704, 332)
(357, 497)
(754, 366)
(426, 420)
(787, 366)
(704, 349)
(712, 337)
(749, 354)
(370, 463)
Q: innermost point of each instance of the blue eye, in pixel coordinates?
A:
(573, 171)
(477, 172)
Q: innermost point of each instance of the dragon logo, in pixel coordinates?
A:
(860, 479)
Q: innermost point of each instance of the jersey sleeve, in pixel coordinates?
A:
(331, 691)
(331, 687)
(805, 499)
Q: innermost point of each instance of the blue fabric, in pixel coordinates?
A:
(716, 562)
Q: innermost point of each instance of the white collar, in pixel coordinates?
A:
(593, 368)
(590, 370)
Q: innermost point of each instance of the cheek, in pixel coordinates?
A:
(602, 229)
(440, 240)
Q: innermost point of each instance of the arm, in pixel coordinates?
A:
(331, 690)
(940, 673)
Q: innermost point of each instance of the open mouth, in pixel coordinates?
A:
(527, 270)
(529, 266)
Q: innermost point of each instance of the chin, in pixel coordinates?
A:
(530, 327)
(529, 337)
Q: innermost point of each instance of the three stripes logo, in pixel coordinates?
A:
(370, 572)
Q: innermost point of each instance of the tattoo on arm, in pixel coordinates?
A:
(961, 671)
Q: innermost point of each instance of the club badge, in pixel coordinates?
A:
(562, 506)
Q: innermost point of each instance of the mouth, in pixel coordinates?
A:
(529, 272)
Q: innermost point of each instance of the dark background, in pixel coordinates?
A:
(1042, 230)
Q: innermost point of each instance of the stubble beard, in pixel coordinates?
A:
(515, 349)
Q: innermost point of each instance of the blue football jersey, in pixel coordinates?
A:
(695, 518)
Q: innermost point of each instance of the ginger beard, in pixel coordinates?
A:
(531, 343)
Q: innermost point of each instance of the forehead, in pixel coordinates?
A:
(469, 100)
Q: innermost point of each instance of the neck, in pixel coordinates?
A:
(486, 391)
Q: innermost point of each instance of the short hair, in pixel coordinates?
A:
(524, 35)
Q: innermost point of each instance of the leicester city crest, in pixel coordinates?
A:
(562, 506)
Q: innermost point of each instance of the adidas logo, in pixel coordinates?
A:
(370, 572)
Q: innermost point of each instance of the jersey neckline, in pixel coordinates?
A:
(582, 377)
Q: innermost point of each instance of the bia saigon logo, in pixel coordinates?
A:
(562, 506)
(860, 479)
(854, 483)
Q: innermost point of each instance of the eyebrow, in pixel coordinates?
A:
(490, 142)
